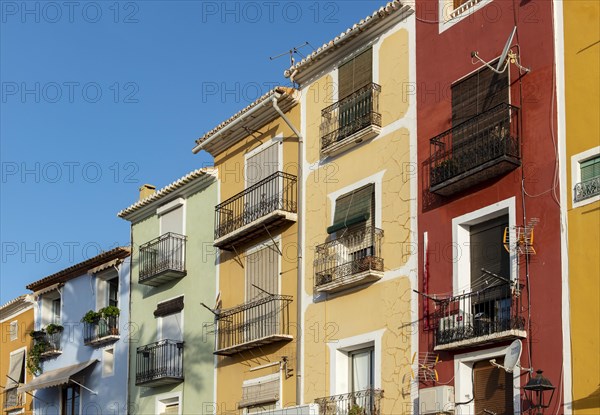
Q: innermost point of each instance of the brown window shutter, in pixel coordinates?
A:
(169, 307)
(487, 250)
(493, 388)
(355, 73)
(477, 93)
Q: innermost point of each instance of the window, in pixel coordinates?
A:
(356, 207)
(56, 309)
(113, 292)
(261, 393)
(169, 404)
(478, 93)
(355, 74)
(13, 329)
(71, 399)
(262, 271)
(108, 362)
(361, 370)
(171, 220)
(170, 319)
(590, 169)
(262, 162)
(14, 377)
(492, 388)
(487, 251)
(585, 177)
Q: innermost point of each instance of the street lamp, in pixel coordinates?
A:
(536, 387)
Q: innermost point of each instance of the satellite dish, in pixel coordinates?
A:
(512, 355)
(506, 49)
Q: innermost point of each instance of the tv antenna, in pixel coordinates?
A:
(293, 51)
(512, 355)
(507, 57)
(519, 238)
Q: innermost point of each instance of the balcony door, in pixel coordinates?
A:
(362, 378)
(170, 252)
(352, 76)
(262, 163)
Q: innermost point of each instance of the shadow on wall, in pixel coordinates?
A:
(589, 402)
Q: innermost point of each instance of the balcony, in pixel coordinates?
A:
(49, 344)
(351, 120)
(587, 189)
(350, 260)
(263, 206)
(105, 331)
(486, 316)
(159, 363)
(260, 322)
(12, 399)
(365, 402)
(162, 259)
(479, 149)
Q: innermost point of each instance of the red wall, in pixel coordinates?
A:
(444, 58)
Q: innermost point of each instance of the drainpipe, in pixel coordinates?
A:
(299, 337)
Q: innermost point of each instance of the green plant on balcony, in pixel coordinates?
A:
(54, 328)
(91, 317)
(110, 311)
(40, 346)
(356, 410)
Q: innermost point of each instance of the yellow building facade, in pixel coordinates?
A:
(256, 154)
(581, 27)
(16, 321)
(359, 316)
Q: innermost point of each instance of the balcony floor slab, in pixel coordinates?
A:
(482, 340)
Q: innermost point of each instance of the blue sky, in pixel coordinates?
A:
(99, 97)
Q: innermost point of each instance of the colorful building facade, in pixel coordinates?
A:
(173, 273)
(359, 236)
(580, 174)
(489, 206)
(256, 234)
(16, 321)
(80, 344)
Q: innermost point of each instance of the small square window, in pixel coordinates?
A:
(14, 330)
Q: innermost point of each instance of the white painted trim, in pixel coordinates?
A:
(167, 207)
(559, 57)
(159, 399)
(446, 7)
(576, 161)
(463, 385)
(461, 271)
(376, 179)
(339, 359)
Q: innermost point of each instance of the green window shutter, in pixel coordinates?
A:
(590, 169)
(353, 208)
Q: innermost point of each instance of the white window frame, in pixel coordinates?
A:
(340, 358)
(162, 400)
(463, 375)
(168, 207)
(447, 16)
(461, 235)
(13, 328)
(576, 161)
(102, 279)
(105, 373)
(277, 140)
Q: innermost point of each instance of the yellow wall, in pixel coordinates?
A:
(232, 371)
(582, 88)
(25, 323)
(386, 304)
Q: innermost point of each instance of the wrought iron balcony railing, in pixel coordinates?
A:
(12, 398)
(261, 321)
(159, 363)
(484, 316)
(365, 402)
(106, 330)
(254, 206)
(350, 115)
(476, 150)
(50, 343)
(351, 259)
(162, 259)
(586, 189)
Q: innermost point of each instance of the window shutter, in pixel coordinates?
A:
(493, 388)
(590, 169)
(169, 307)
(260, 391)
(353, 208)
(355, 74)
(172, 221)
(487, 250)
(171, 409)
(477, 93)
(262, 270)
(262, 164)
(16, 371)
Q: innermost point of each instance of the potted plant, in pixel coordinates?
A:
(356, 410)
(37, 334)
(110, 314)
(54, 328)
(91, 317)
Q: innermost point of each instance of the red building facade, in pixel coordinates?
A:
(488, 168)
